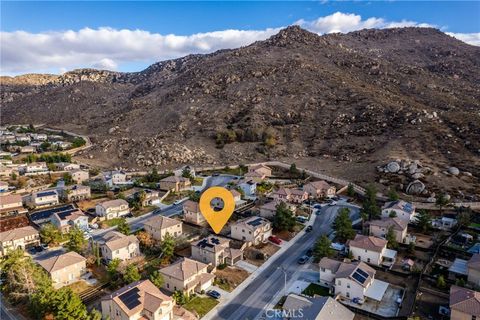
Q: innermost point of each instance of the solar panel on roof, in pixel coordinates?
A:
(131, 298)
(357, 276)
(363, 273)
(255, 222)
(46, 193)
(44, 214)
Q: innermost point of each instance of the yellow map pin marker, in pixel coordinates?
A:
(217, 219)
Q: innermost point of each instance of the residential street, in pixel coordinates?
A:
(249, 303)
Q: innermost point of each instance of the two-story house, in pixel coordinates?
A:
(319, 189)
(79, 176)
(249, 188)
(116, 245)
(159, 226)
(464, 304)
(290, 195)
(150, 198)
(116, 178)
(351, 280)
(174, 183)
(112, 209)
(64, 268)
(216, 251)
(11, 204)
(45, 198)
(372, 250)
(187, 276)
(23, 238)
(399, 208)
(380, 228)
(65, 220)
(192, 214)
(255, 230)
(269, 209)
(76, 192)
(140, 300)
(35, 168)
(66, 166)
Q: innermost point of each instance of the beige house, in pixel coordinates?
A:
(269, 209)
(290, 195)
(112, 209)
(258, 172)
(473, 270)
(44, 198)
(255, 230)
(174, 183)
(216, 251)
(116, 245)
(319, 189)
(152, 198)
(159, 226)
(11, 204)
(64, 268)
(76, 192)
(379, 228)
(23, 238)
(187, 275)
(351, 280)
(79, 176)
(192, 214)
(464, 304)
(372, 250)
(140, 300)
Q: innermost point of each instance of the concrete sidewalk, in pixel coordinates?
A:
(214, 312)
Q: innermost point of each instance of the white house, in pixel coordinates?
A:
(116, 245)
(372, 250)
(253, 229)
(351, 280)
(402, 209)
(249, 188)
(44, 198)
(380, 228)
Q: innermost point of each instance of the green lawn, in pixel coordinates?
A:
(112, 222)
(201, 305)
(197, 181)
(315, 289)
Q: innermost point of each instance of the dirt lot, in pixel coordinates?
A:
(230, 277)
(87, 204)
(427, 305)
(267, 249)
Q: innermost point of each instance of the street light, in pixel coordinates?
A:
(285, 278)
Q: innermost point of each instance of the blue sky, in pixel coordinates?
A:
(58, 36)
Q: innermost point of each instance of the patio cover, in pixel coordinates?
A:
(459, 266)
(376, 290)
(390, 254)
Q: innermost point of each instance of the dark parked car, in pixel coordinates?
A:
(303, 259)
(214, 294)
(308, 229)
(309, 253)
(215, 174)
(275, 240)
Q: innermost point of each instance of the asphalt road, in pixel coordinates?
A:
(250, 302)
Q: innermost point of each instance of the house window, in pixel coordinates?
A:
(368, 260)
(348, 285)
(359, 258)
(365, 250)
(348, 294)
(339, 282)
(168, 285)
(323, 269)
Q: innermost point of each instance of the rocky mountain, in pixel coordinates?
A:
(365, 98)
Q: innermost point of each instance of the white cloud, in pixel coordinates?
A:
(108, 48)
(346, 22)
(471, 38)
